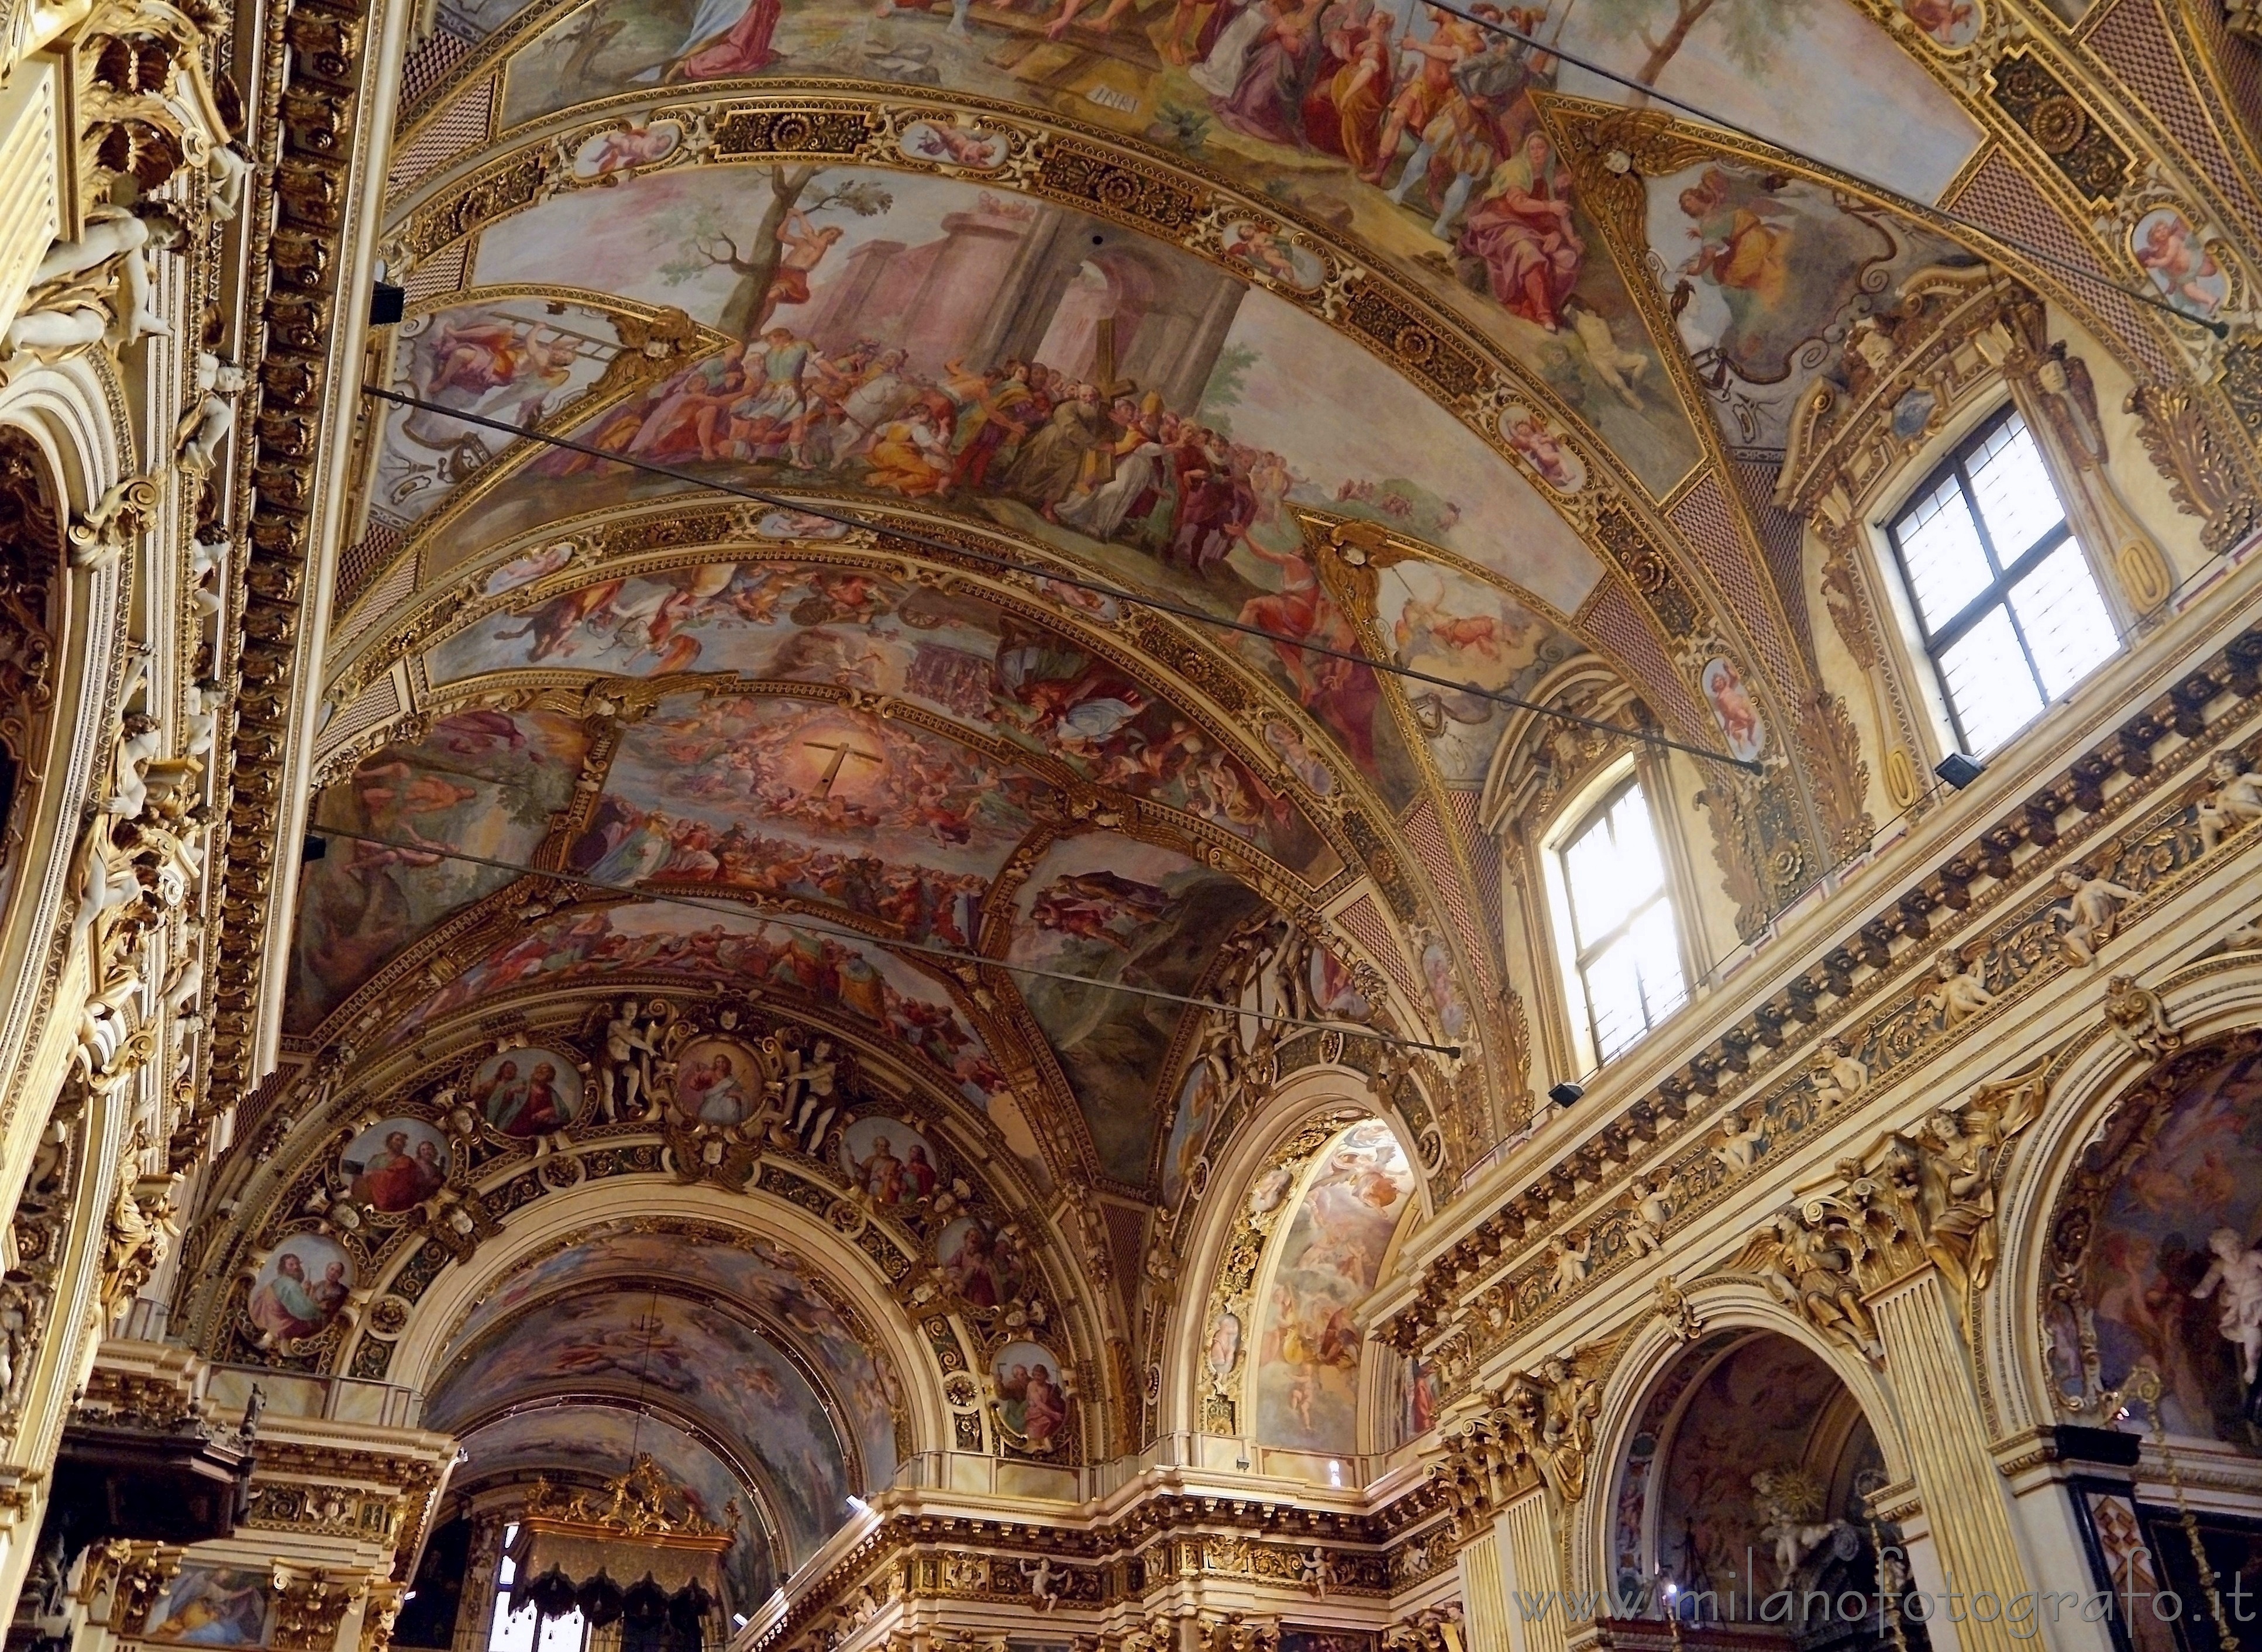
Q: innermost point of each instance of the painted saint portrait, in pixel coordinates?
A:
(718, 1082)
(1951, 25)
(634, 143)
(528, 567)
(888, 1162)
(1032, 1402)
(984, 1268)
(527, 1091)
(395, 1164)
(214, 1605)
(1731, 708)
(300, 1289)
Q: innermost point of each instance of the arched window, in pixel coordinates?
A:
(2006, 604)
(1620, 946)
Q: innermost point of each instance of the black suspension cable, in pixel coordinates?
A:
(950, 955)
(1908, 204)
(1179, 610)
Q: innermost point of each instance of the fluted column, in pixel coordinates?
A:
(1525, 1532)
(1964, 1497)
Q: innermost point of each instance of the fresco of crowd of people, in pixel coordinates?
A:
(1106, 461)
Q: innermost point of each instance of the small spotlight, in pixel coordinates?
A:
(1958, 771)
(1564, 1093)
(738, 1621)
(857, 1505)
(387, 304)
(315, 847)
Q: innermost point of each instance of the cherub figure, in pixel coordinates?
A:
(206, 426)
(2091, 912)
(1743, 1144)
(1572, 1261)
(2233, 801)
(2234, 1279)
(1961, 992)
(1838, 1078)
(1650, 1210)
(1044, 1586)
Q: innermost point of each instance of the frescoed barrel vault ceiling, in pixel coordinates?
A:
(732, 833)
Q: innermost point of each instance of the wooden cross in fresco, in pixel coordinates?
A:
(842, 750)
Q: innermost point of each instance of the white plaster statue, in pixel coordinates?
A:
(1961, 992)
(1317, 1573)
(1572, 1262)
(227, 169)
(1651, 1210)
(1838, 1077)
(2234, 1279)
(1789, 1502)
(2091, 911)
(137, 750)
(203, 429)
(202, 723)
(1044, 1587)
(113, 233)
(2233, 802)
(626, 1071)
(1742, 1144)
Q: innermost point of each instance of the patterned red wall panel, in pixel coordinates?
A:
(2132, 40)
(1363, 921)
(1613, 620)
(459, 127)
(1484, 855)
(2239, 61)
(361, 560)
(2001, 198)
(1783, 541)
(1427, 834)
(428, 63)
(1709, 526)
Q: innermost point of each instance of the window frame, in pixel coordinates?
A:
(1574, 953)
(1931, 644)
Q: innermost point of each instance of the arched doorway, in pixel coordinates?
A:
(1742, 1507)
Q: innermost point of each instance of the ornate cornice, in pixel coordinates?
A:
(1892, 994)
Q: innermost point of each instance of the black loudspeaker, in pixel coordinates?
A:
(1958, 771)
(387, 304)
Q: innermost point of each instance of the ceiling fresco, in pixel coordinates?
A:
(1405, 132)
(694, 1359)
(758, 1276)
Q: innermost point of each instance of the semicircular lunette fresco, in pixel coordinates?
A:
(694, 1357)
(955, 653)
(970, 351)
(2167, 1248)
(1412, 131)
(763, 1275)
(1309, 1350)
(603, 1441)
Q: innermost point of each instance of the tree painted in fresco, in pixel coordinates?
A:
(708, 242)
(1749, 30)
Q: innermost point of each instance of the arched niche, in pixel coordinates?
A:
(2153, 1257)
(1270, 1372)
(1738, 1493)
(532, 1259)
